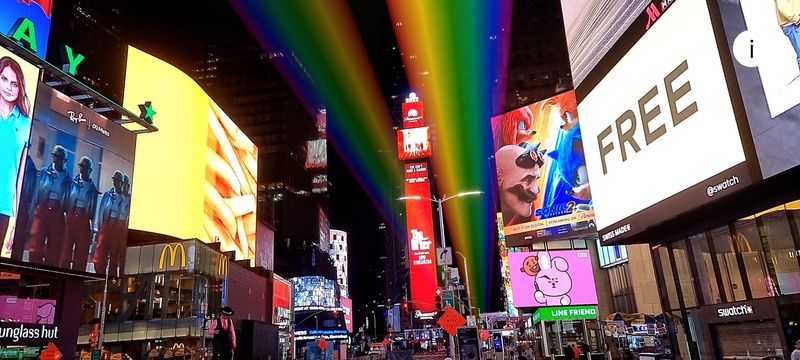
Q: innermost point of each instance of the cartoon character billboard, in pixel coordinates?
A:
(552, 278)
(541, 172)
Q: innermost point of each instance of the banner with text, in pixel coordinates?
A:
(422, 251)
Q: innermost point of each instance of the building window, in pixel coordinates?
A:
(776, 235)
(621, 289)
(661, 256)
(728, 264)
(685, 279)
(748, 242)
(706, 277)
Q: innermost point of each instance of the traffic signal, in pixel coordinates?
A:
(437, 301)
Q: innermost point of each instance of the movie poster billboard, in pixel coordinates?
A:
(765, 48)
(414, 143)
(552, 278)
(347, 308)
(75, 198)
(317, 154)
(18, 83)
(197, 150)
(421, 247)
(541, 172)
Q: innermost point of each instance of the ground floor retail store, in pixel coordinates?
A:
(556, 329)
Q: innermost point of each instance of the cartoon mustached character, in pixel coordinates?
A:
(553, 283)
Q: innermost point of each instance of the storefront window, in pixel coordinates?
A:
(553, 334)
(777, 238)
(662, 256)
(593, 332)
(572, 332)
(748, 242)
(158, 296)
(685, 280)
(728, 264)
(705, 269)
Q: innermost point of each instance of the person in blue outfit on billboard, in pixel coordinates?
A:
(110, 228)
(789, 20)
(50, 195)
(15, 131)
(80, 209)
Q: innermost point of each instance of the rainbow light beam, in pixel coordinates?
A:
(455, 52)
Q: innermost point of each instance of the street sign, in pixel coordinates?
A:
(470, 320)
(485, 335)
(50, 353)
(323, 344)
(451, 320)
(444, 256)
(448, 299)
(97, 354)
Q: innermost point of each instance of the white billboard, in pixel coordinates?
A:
(659, 122)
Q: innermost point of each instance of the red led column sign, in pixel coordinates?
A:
(412, 114)
(422, 251)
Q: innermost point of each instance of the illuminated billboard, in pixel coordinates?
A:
(18, 83)
(541, 172)
(421, 247)
(592, 27)
(765, 49)
(413, 114)
(660, 135)
(281, 301)
(317, 154)
(314, 293)
(27, 21)
(197, 150)
(347, 308)
(552, 278)
(414, 143)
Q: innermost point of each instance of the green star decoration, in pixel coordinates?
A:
(147, 112)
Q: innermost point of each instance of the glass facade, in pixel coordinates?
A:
(751, 260)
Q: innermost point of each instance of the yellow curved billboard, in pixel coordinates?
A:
(196, 176)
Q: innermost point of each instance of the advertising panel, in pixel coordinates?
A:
(76, 191)
(265, 245)
(414, 143)
(197, 150)
(413, 115)
(421, 249)
(554, 278)
(281, 297)
(660, 133)
(18, 83)
(765, 47)
(592, 28)
(28, 22)
(347, 308)
(317, 154)
(541, 172)
(314, 293)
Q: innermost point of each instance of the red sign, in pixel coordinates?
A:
(281, 296)
(323, 344)
(451, 320)
(385, 342)
(347, 307)
(413, 114)
(484, 335)
(414, 143)
(421, 248)
(50, 353)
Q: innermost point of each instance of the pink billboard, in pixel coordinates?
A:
(347, 308)
(552, 278)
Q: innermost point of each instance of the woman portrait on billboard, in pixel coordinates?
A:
(15, 130)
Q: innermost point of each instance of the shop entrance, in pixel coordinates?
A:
(755, 339)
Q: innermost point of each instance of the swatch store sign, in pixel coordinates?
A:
(733, 311)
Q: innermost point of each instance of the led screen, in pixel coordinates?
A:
(18, 83)
(317, 157)
(592, 28)
(314, 293)
(541, 172)
(765, 48)
(281, 293)
(414, 143)
(659, 131)
(29, 21)
(347, 308)
(197, 150)
(554, 278)
(413, 115)
(421, 247)
(75, 197)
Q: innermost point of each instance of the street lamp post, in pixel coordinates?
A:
(439, 202)
(466, 280)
